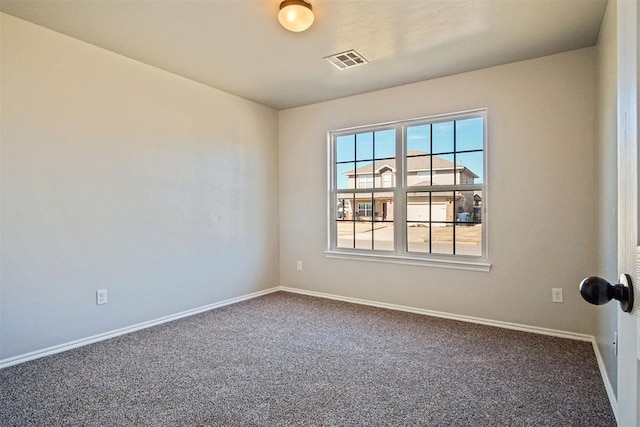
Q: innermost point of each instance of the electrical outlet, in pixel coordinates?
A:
(101, 296)
(299, 265)
(556, 295)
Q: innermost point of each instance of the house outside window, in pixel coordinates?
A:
(411, 191)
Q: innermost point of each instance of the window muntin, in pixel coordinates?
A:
(428, 206)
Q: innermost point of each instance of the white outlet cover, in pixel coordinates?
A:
(556, 295)
(101, 296)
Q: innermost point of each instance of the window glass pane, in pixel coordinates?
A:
(363, 234)
(345, 175)
(441, 238)
(464, 204)
(470, 134)
(344, 220)
(345, 234)
(345, 148)
(385, 144)
(443, 137)
(418, 139)
(475, 215)
(473, 167)
(363, 175)
(385, 174)
(363, 207)
(468, 239)
(442, 206)
(418, 237)
(469, 223)
(443, 170)
(418, 206)
(383, 206)
(344, 206)
(418, 170)
(418, 232)
(364, 146)
(383, 236)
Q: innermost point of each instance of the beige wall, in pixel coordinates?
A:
(541, 186)
(121, 176)
(605, 172)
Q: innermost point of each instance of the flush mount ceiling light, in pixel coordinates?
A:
(295, 15)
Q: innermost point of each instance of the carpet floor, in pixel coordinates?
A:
(291, 360)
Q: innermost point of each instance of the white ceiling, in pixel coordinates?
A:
(239, 47)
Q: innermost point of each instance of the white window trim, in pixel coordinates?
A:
(370, 256)
(399, 256)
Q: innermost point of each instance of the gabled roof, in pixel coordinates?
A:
(416, 161)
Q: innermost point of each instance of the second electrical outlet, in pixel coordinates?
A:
(556, 294)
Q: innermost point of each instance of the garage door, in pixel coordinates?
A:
(420, 212)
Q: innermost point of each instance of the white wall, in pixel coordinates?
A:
(606, 321)
(118, 175)
(541, 157)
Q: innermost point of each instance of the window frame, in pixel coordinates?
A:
(400, 253)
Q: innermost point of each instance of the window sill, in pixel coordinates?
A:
(408, 260)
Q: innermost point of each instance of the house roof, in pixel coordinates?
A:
(416, 161)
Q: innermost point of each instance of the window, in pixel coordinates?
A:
(386, 179)
(364, 210)
(365, 181)
(418, 189)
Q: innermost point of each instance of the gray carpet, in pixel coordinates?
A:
(285, 359)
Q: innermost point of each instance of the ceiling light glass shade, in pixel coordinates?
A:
(295, 15)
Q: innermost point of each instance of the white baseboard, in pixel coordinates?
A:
(605, 379)
(4, 363)
(470, 319)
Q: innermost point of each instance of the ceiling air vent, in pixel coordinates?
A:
(348, 59)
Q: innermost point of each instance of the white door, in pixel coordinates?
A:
(628, 354)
